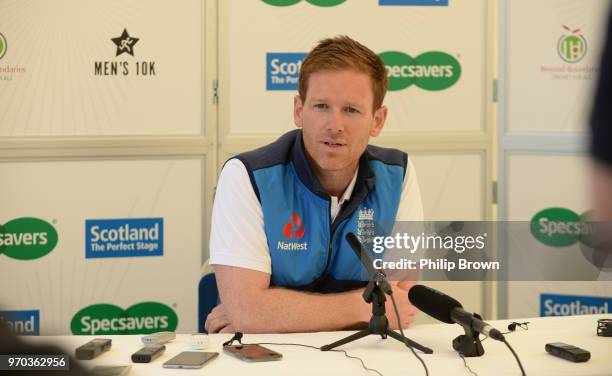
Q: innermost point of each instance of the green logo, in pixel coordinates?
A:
(108, 319)
(560, 227)
(434, 70)
(573, 47)
(3, 45)
(319, 3)
(27, 238)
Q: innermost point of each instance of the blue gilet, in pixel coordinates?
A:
(308, 250)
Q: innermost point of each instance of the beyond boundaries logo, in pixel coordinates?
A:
(130, 237)
(27, 238)
(283, 70)
(572, 46)
(319, 3)
(124, 45)
(560, 227)
(570, 305)
(108, 319)
(3, 46)
(23, 323)
(8, 72)
(434, 70)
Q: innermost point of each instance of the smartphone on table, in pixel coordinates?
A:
(190, 359)
(252, 353)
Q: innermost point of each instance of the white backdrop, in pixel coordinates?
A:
(64, 281)
(58, 45)
(550, 59)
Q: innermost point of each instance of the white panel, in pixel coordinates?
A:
(407, 29)
(66, 194)
(547, 90)
(451, 189)
(451, 186)
(50, 85)
(535, 183)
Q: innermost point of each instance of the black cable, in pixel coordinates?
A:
(318, 348)
(466, 365)
(516, 356)
(504, 333)
(399, 324)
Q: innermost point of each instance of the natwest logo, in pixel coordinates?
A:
(294, 228)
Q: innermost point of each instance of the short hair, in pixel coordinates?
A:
(342, 52)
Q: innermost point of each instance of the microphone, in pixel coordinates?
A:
(446, 309)
(376, 275)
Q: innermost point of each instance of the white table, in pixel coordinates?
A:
(387, 356)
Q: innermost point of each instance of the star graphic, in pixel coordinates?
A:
(125, 43)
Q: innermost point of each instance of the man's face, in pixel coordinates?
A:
(337, 118)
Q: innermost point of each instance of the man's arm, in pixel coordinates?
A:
(241, 262)
(252, 306)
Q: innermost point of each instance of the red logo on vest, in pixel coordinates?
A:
(294, 228)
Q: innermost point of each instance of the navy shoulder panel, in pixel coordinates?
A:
(278, 152)
(387, 155)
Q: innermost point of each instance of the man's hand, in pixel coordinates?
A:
(218, 321)
(406, 310)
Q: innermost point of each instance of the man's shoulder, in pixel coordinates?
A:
(387, 156)
(277, 152)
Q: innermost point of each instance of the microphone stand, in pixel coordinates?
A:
(469, 344)
(379, 324)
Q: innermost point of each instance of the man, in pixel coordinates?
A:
(601, 140)
(281, 212)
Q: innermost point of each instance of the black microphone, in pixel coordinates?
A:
(446, 309)
(376, 275)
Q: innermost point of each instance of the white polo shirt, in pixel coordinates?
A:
(237, 235)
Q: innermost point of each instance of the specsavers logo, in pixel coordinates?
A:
(572, 46)
(27, 238)
(560, 227)
(319, 3)
(434, 70)
(415, 3)
(108, 319)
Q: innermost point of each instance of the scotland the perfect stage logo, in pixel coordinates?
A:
(283, 70)
(129, 237)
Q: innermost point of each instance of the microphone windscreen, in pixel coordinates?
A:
(433, 302)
